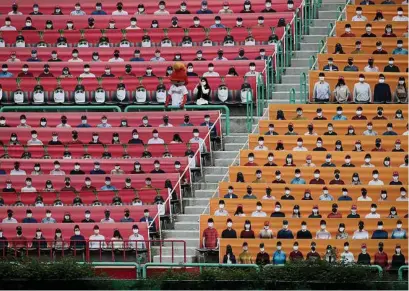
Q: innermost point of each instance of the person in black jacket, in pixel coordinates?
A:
(364, 258)
(202, 92)
(229, 257)
(382, 92)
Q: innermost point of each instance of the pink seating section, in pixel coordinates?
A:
(67, 229)
(147, 196)
(77, 212)
(105, 135)
(139, 69)
(144, 22)
(188, 53)
(77, 181)
(47, 6)
(150, 84)
(87, 165)
(134, 119)
(78, 151)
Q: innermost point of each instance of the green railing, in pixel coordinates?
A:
(292, 96)
(195, 265)
(339, 13)
(280, 65)
(270, 77)
(261, 95)
(330, 27)
(225, 110)
(400, 272)
(303, 88)
(321, 44)
(297, 30)
(104, 108)
(311, 62)
(249, 111)
(288, 45)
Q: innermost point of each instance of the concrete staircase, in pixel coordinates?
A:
(309, 47)
(186, 226)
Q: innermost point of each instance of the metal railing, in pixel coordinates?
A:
(105, 108)
(400, 272)
(90, 250)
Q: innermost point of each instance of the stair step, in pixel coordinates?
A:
(186, 225)
(233, 146)
(204, 193)
(194, 209)
(295, 71)
(191, 218)
(178, 250)
(196, 201)
(223, 162)
(216, 170)
(305, 53)
(235, 139)
(182, 234)
(288, 87)
(309, 46)
(313, 38)
(327, 15)
(205, 186)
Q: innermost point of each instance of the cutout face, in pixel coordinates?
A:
(79, 96)
(38, 96)
(223, 93)
(100, 95)
(207, 42)
(59, 95)
(18, 96)
(146, 43)
(62, 44)
(121, 94)
(161, 95)
(125, 44)
(166, 43)
(140, 94)
(83, 43)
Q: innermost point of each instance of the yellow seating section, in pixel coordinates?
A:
(327, 174)
(369, 11)
(318, 157)
(348, 141)
(351, 78)
(341, 127)
(368, 44)
(361, 61)
(277, 190)
(329, 110)
(304, 247)
(378, 28)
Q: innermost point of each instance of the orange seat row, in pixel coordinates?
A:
(318, 157)
(348, 141)
(361, 61)
(306, 206)
(351, 78)
(327, 174)
(378, 27)
(329, 110)
(304, 247)
(297, 191)
(340, 126)
(369, 11)
(368, 44)
(294, 224)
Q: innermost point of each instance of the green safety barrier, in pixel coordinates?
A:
(311, 62)
(400, 272)
(195, 265)
(106, 108)
(280, 62)
(297, 30)
(223, 108)
(303, 88)
(317, 6)
(261, 96)
(288, 45)
(270, 75)
(292, 96)
(329, 28)
(321, 44)
(249, 110)
(339, 13)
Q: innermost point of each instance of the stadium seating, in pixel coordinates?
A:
(368, 44)
(348, 141)
(378, 28)
(139, 69)
(47, 7)
(369, 11)
(287, 173)
(361, 61)
(329, 110)
(297, 191)
(318, 157)
(304, 247)
(237, 93)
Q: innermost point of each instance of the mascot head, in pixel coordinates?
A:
(179, 76)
